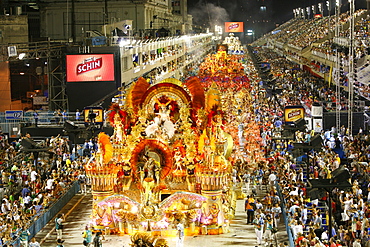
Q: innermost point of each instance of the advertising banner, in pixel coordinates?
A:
(316, 111)
(94, 114)
(90, 67)
(293, 113)
(234, 27)
(317, 125)
(12, 115)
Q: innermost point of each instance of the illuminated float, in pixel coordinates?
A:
(168, 159)
(235, 46)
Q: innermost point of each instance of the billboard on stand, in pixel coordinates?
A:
(234, 27)
(90, 67)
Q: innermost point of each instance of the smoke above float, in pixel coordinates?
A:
(209, 14)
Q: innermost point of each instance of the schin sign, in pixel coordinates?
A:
(89, 64)
(90, 67)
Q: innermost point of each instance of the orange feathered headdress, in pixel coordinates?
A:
(116, 109)
(106, 146)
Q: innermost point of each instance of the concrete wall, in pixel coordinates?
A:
(14, 29)
(56, 21)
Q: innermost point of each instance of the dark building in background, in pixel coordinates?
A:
(72, 19)
(260, 18)
(42, 32)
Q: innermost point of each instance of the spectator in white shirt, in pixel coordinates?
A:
(33, 175)
(49, 184)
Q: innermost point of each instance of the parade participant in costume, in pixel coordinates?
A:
(162, 123)
(258, 223)
(24, 237)
(250, 207)
(180, 234)
(98, 239)
(87, 236)
(60, 243)
(59, 225)
(269, 226)
(119, 119)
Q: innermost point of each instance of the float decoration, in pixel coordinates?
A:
(174, 162)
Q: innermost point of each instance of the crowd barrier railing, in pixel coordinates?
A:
(284, 214)
(40, 221)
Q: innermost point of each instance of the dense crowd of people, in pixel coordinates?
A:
(302, 32)
(315, 36)
(29, 186)
(307, 213)
(255, 118)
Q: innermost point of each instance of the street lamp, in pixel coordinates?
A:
(313, 10)
(296, 12)
(321, 10)
(251, 33)
(308, 10)
(328, 5)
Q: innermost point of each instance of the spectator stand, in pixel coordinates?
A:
(38, 221)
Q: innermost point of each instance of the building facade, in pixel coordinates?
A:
(71, 19)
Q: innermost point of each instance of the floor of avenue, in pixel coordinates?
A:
(78, 211)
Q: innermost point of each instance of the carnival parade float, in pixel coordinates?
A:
(171, 155)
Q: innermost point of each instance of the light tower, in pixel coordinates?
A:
(351, 64)
(338, 66)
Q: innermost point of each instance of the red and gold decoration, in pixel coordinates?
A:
(171, 155)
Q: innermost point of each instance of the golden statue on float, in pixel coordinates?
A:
(166, 161)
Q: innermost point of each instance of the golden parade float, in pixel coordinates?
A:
(168, 159)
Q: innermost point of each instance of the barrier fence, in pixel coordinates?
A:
(284, 214)
(40, 221)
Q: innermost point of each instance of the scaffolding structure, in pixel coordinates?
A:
(53, 53)
(351, 69)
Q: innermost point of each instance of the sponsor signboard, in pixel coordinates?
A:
(90, 67)
(234, 27)
(12, 51)
(316, 111)
(293, 113)
(13, 115)
(94, 114)
(317, 125)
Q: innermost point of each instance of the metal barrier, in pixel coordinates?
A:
(45, 118)
(285, 217)
(13, 126)
(40, 221)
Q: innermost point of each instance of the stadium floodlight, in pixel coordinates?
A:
(21, 56)
(308, 10)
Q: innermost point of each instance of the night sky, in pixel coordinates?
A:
(277, 11)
